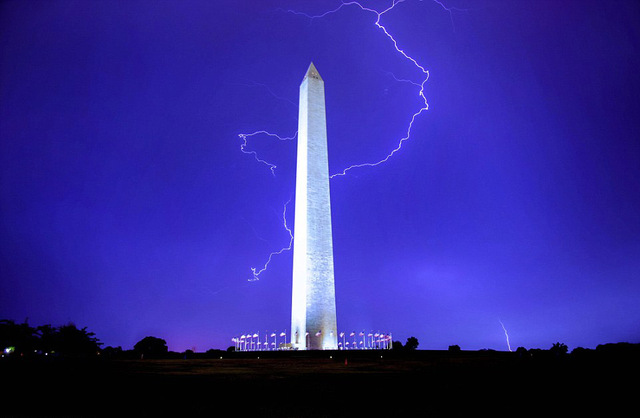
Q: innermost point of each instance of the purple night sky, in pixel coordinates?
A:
(127, 206)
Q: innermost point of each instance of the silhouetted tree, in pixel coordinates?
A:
(20, 337)
(579, 350)
(214, 352)
(454, 348)
(66, 339)
(559, 349)
(411, 344)
(70, 340)
(623, 348)
(151, 347)
(47, 335)
(397, 345)
(112, 352)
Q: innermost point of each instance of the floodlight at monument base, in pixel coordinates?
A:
(274, 341)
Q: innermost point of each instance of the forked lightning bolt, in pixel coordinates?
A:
(424, 107)
(424, 71)
(256, 273)
(243, 147)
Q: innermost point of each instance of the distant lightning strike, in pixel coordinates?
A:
(506, 334)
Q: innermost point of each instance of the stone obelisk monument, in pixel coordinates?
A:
(313, 307)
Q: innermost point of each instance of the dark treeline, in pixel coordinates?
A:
(63, 371)
(23, 340)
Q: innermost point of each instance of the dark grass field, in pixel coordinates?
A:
(322, 384)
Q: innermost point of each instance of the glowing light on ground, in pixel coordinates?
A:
(277, 341)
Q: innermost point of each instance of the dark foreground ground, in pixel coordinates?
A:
(422, 384)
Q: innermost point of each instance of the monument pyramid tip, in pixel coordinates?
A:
(313, 72)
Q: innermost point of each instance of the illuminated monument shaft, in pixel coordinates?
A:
(313, 307)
